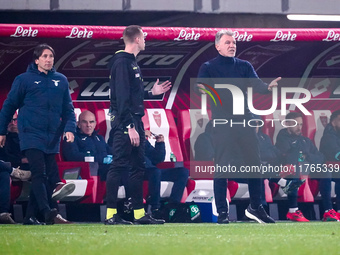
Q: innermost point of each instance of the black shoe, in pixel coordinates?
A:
(117, 220)
(259, 215)
(32, 221)
(147, 219)
(223, 218)
(157, 214)
(50, 215)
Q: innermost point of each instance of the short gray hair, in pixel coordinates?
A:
(221, 33)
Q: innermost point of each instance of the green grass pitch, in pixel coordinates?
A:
(206, 238)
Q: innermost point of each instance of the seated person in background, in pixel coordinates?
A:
(5, 216)
(330, 147)
(12, 147)
(291, 144)
(178, 175)
(269, 155)
(6, 171)
(204, 149)
(10, 161)
(87, 139)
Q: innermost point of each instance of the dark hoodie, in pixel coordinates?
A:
(77, 150)
(126, 89)
(45, 109)
(330, 143)
(290, 146)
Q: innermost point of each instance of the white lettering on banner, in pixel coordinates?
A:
(77, 33)
(21, 32)
(242, 37)
(332, 36)
(87, 91)
(91, 91)
(103, 90)
(280, 36)
(184, 35)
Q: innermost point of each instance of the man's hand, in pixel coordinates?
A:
(148, 134)
(159, 138)
(200, 88)
(69, 137)
(134, 137)
(2, 141)
(159, 89)
(273, 83)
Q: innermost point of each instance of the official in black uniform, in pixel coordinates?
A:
(127, 108)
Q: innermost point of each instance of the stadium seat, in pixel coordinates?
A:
(103, 122)
(15, 190)
(161, 121)
(191, 124)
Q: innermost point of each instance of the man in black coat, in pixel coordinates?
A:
(127, 109)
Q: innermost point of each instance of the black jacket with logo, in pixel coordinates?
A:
(126, 88)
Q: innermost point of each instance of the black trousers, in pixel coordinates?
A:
(45, 175)
(230, 142)
(5, 189)
(127, 160)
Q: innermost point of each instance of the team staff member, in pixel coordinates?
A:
(239, 73)
(178, 175)
(45, 111)
(291, 144)
(330, 147)
(87, 139)
(127, 109)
